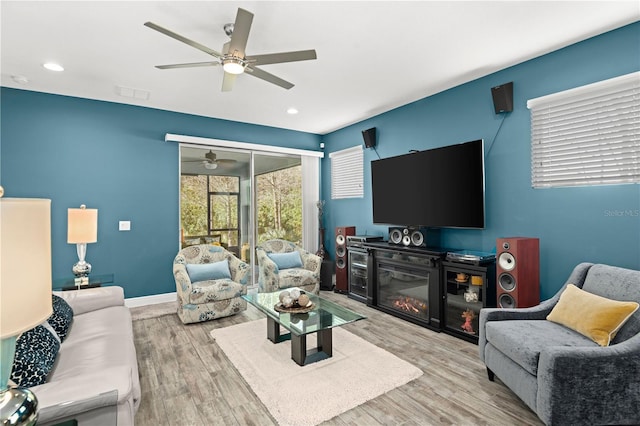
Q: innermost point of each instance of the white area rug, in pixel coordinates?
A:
(296, 396)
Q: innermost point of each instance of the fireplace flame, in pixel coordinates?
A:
(411, 305)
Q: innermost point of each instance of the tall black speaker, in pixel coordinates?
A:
(369, 137)
(503, 97)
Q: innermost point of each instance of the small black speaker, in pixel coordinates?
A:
(413, 236)
(369, 137)
(503, 97)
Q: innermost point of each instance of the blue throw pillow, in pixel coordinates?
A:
(286, 260)
(208, 271)
(36, 352)
(61, 318)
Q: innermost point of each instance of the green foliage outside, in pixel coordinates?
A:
(193, 205)
(279, 205)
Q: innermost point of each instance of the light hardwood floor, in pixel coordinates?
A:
(187, 380)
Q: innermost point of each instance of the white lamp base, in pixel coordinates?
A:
(82, 268)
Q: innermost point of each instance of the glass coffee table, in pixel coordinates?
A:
(324, 316)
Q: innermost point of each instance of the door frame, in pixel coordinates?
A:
(310, 161)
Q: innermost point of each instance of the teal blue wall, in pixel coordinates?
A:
(112, 157)
(595, 224)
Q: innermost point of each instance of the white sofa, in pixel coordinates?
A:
(95, 376)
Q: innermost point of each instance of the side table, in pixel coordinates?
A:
(64, 284)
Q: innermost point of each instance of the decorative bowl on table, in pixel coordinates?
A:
(294, 301)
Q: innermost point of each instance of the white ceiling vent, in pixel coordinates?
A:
(129, 92)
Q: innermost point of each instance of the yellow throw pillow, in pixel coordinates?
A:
(593, 316)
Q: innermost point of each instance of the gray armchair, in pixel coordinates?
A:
(563, 376)
(272, 277)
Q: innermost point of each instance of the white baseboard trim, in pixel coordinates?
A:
(133, 302)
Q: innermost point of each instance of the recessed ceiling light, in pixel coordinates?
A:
(292, 111)
(52, 66)
(20, 79)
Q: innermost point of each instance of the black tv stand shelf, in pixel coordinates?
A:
(429, 251)
(419, 285)
(466, 289)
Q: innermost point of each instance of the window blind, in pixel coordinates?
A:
(347, 173)
(589, 135)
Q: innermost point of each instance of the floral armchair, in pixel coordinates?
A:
(210, 282)
(278, 270)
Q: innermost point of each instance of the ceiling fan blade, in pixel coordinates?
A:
(228, 81)
(276, 58)
(191, 65)
(257, 72)
(240, 34)
(185, 40)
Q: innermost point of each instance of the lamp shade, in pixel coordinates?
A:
(82, 225)
(25, 264)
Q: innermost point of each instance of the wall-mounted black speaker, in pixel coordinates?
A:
(369, 137)
(503, 97)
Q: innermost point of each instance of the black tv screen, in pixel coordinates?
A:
(441, 187)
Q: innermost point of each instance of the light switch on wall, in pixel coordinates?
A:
(124, 225)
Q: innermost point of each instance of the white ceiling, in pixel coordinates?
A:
(372, 56)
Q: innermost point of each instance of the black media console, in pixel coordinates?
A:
(419, 285)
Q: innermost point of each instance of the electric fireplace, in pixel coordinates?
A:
(404, 291)
(407, 285)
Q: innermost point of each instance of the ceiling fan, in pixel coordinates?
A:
(233, 58)
(211, 161)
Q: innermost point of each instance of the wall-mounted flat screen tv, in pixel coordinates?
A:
(441, 187)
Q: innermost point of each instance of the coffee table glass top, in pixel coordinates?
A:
(325, 313)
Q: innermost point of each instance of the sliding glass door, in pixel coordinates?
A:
(215, 198)
(238, 199)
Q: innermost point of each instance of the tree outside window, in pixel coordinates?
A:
(280, 205)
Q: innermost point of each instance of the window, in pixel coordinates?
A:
(589, 135)
(279, 203)
(210, 206)
(346, 173)
(224, 209)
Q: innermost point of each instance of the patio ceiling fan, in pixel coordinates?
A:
(211, 160)
(233, 58)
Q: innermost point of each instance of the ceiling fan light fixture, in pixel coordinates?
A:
(233, 58)
(210, 166)
(233, 65)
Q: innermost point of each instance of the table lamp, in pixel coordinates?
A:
(25, 293)
(82, 228)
